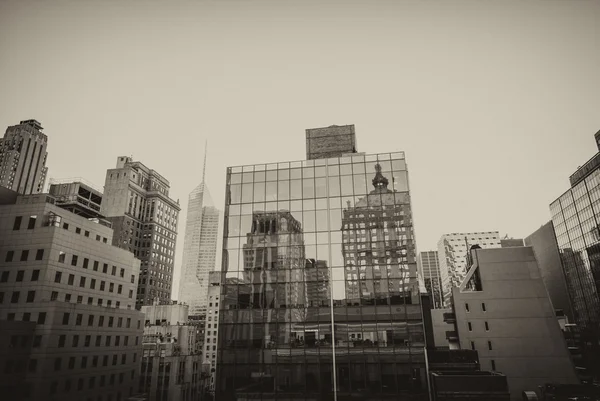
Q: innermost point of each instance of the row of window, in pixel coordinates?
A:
(470, 326)
(90, 300)
(20, 276)
(71, 362)
(55, 221)
(87, 341)
(16, 297)
(489, 344)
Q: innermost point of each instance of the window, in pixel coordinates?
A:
(90, 301)
(110, 321)
(71, 279)
(100, 300)
(65, 320)
(86, 261)
(24, 255)
(54, 296)
(93, 284)
(111, 287)
(92, 382)
(130, 293)
(15, 297)
(67, 297)
(114, 270)
(122, 272)
(30, 296)
(31, 224)
(102, 284)
(97, 237)
(119, 289)
(4, 277)
(94, 361)
(17, 223)
(88, 340)
(41, 318)
(117, 341)
(105, 268)
(39, 254)
(483, 306)
(61, 257)
(107, 342)
(132, 279)
(467, 308)
(96, 263)
(9, 256)
(61, 341)
(57, 277)
(79, 299)
(75, 340)
(98, 341)
(126, 341)
(470, 326)
(487, 326)
(74, 259)
(78, 319)
(493, 365)
(120, 322)
(101, 321)
(90, 320)
(37, 341)
(472, 345)
(128, 322)
(77, 230)
(83, 362)
(26, 316)
(20, 275)
(35, 275)
(105, 360)
(490, 345)
(82, 282)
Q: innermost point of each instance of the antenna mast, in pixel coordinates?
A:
(204, 167)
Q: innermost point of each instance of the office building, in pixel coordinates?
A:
(23, 158)
(211, 328)
(547, 254)
(429, 269)
(452, 255)
(502, 310)
(172, 362)
(136, 201)
(332, 141)
(320, 293)
(60, 271)
(199, 248)
(576, 218)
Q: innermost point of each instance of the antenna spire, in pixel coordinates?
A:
(204, 167)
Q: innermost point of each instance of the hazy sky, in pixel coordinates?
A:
(494, 103)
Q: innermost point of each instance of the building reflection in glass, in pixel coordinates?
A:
(320, 289)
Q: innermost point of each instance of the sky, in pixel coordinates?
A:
(494, 103)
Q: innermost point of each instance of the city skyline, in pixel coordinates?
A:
(463, 119)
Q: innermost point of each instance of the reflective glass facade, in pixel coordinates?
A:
(320, 296)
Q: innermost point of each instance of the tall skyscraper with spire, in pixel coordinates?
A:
(199, 247)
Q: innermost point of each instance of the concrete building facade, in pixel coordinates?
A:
(429, 269)
(199, 248)
(452, 255)
(23, 158)
(59, 271)
(172, 362)
(137, 203)
(502, 310)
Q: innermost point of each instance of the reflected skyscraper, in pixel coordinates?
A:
(199, 247)
(320, 295)
(429, 269)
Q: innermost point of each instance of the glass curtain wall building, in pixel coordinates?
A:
(320, 296)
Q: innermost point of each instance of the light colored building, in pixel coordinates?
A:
(172, 362)
(442, 327)
(60, 271)
(23, 158)
(199, 248)
(503, 311)
(211, 328)
(452, 256)
(137, 203)
(429, 269)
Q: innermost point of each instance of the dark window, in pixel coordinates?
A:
(92, 382)
(110, 321)
(467, 307)
(90, 320)
(79, 384)
(82, 282)
(9, 256)
(31, 224)
(105, 360)
(67, 385)
(86, 233)
(30, 296)
(101, 321)
(126, 342)
(115, 359)
(470, 326)
(77, 230)
(71, 279)
(124, 358)
(107, 342)
(71, 363)
(75, 340)
(96, 265)
(88, 340)
(98, 341)
(490, 345)
(487, 326)
(41, 318)
(86, 261)
(37, 341)
(35, 274)
(39, 255)
(4, 276)
(53, 295)
(15, 297)
(132, 279)
(472, 345)
(90, 300)
(53, 387)
(66, 226)
(120, 322)
(79, 299)
(93, 284)
(78, 319)
(102, 284)
(119, 289)
(26, 316)
(483, 306)
(122, 272)
(57, 277)
(57, 363)
(65, 320)
(74, 260)
(61, 257)
(114, 270)
(117, 341)
(111, 287)
(67, 297)
(24, 255)
(97, 237)
(94, 361)
(20, 275)
(17, 224)
(105, 268)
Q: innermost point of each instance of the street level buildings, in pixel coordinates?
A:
(60, 272)
(429, 269)
(199, 248)
(172, 363)
(320, 292)
(452, 255)
(576, 220)
(23, 158)
(137, 203)
(502, 310)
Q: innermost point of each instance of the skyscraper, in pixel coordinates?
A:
(144, 218)
(576, 219)
(320, 294)
(452, 255)
(23, 158)
(199, 248)
(429, 269)
(59, 271)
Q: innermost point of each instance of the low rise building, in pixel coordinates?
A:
(59, 271)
